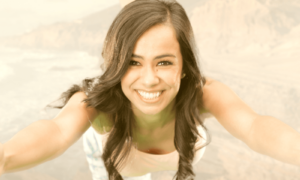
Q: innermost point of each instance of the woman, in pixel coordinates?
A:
(143, 114)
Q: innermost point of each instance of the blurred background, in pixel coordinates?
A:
(250, 45)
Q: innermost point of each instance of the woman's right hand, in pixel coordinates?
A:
(1, 158)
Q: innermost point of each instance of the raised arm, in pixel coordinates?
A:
(46, 139)
(263, 134)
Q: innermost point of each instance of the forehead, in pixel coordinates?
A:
(157, 40)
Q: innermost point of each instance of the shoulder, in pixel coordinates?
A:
(100, 120)
(211, 84)
(231, 112)
(77, 102)
(210, 88)
(76, 110)
(76, 107)
(216, 94)
(74, 118)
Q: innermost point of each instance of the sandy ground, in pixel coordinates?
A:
(270, 85)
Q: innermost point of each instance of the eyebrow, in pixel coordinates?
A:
(157, 57)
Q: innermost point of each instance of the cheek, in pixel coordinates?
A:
(172, 77)
(125, 81)
(128, 79)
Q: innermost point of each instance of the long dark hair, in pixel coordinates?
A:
(104, 93)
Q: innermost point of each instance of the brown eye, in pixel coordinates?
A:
(134, 63)
(164, 63)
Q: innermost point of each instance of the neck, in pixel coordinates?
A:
(150, 123)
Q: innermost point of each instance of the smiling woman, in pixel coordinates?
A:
(156, 71)
(144, 113)
(152, 105)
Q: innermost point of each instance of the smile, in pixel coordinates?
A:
(148, 95)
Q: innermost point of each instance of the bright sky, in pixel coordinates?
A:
(19, 16)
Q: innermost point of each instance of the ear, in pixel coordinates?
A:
(183, 75)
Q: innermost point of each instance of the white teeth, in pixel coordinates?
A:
(147, 95)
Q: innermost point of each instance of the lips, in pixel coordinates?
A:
(149, 95)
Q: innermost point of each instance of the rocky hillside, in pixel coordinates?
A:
(86, 34)
(221, 27)
(246, 25)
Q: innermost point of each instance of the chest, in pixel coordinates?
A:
(157, 143)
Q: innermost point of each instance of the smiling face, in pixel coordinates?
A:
(153, 78)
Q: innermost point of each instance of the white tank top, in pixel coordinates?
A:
(140, 163)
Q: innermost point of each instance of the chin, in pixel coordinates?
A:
(149, 110)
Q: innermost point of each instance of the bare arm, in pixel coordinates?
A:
(276, 139)
(47, 139)
(263, 134)
(37, 143)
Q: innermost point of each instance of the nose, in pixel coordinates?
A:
(149, 77)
